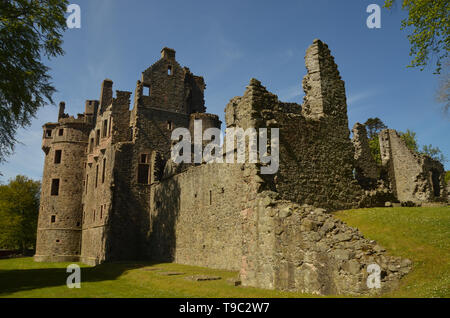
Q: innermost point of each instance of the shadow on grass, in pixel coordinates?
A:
(16, 280)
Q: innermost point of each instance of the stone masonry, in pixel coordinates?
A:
(367, 172)
(110, 191)
(413, 177)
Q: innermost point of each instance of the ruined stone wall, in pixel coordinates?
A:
(301, 248)
(413, 177)
(316, 154)
(367, 172)
(315, 165)
(60, 214)
(195, 215)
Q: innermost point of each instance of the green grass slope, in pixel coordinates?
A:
(420, 234)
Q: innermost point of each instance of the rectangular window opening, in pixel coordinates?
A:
(169, 70)
(143, 173)
(55, 187)
(61, 132)
(53, 219)
(96, 176)
(58, 154)
(144, 158)
(147, 90)
(104, 170)
(97, 139)
(105, 128)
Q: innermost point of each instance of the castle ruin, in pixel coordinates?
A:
(111, 193)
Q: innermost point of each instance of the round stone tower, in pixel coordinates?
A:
(61, 210)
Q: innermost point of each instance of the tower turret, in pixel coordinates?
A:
(60, 223)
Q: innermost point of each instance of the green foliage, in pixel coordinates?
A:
(28, 29)
(430, 35)
(19, 207)
(443, 92)
(434, 152)
(447, 177)
(374, 145)
(411, 142)
(374, 126)
(409, 137)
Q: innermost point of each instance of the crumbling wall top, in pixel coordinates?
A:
(167, 53)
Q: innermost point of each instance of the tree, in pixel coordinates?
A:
(29, 30)
(434, 153)
(19, 207)
(374, 126)
(409, 137)
(411, 142)
(443, 92)
(374, 145)
(447, 177)
(430, 24)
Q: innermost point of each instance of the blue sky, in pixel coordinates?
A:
(229, 42)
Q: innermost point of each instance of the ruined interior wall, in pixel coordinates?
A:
(316, 156)
(195, 215)
(410, 174)
(366, 168)
(315, 164)
(301, 248)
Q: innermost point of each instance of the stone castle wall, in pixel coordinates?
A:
(131, 202)
(195, 215)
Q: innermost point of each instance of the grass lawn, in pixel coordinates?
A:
(420, 234)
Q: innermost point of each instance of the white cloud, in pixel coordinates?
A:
(356, 98)
(290, 94)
